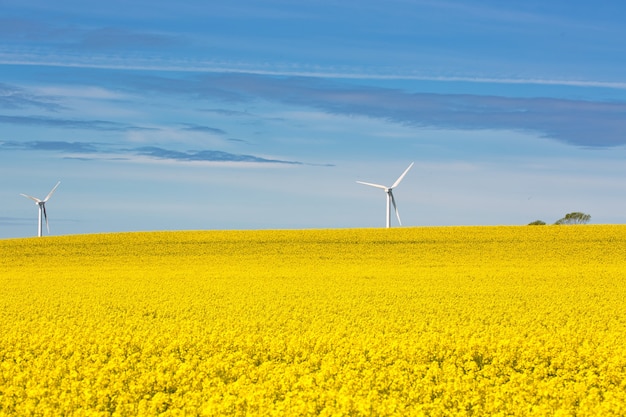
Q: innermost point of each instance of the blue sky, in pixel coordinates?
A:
(163, 115)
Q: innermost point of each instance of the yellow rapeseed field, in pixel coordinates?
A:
(440, 321)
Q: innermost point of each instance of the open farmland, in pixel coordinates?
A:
(408, 321)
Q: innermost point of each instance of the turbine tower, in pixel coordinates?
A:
(42, 209)
(390, 199)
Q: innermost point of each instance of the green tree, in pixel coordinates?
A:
(574, 218)
(537, 223)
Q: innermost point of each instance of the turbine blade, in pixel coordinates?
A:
(36, 200)
(51, 192)
(373, 185)
(395, 207)
(45, 215)
(395, 184)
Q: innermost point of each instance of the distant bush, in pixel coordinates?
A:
(537, 223)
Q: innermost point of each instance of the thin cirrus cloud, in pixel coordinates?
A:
(41, 121)
(228, 113)
(203, 129)
(12, 97)
(90, 151)
(205, 155)
(56, 146)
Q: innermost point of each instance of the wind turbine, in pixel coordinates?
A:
(42, 209)
(389, 191)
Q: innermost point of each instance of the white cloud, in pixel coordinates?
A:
(80, 91)
(115, 62)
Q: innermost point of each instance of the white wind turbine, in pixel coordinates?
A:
(390, 199)
(42, 209)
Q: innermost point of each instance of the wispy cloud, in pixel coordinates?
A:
(100, 125)
(57, 146)
(206, 155)
(12, 97)
(90, 151)
(203, 129)
(81, 91)
(228, 113)
(96, 60)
